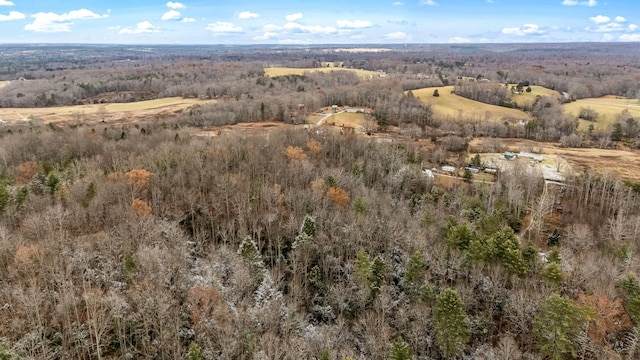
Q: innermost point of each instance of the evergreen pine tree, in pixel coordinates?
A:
(631, 288)
(414, 274)
(552, 273)
(459, 236)
(557, 324)
(452, 332)
(363, 267)
(400, 350)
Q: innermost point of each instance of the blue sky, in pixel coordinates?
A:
(317, 22)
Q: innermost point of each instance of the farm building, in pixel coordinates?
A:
(449, 169)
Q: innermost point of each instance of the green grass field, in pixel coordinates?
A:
(281, 71)
(463, 109)
(607, 108)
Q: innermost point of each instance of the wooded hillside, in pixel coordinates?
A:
(175, 238)
(295, 245)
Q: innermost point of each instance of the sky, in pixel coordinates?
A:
(318, 22)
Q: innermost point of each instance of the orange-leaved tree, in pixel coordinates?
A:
(140, 207)
(139, 178)
(338, 196)
(296, 154)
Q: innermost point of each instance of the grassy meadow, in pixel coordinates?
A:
(529, 97)
(348, 119)
(607, 108)
(281, 71)
(461, 108)
(65, 113)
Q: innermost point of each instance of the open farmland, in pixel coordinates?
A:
(281, 71)
(98, 112)
(607, 108)
(623, 162)
(463, 109)
(527, 98)
(347, 119)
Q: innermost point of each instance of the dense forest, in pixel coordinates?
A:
(150, 240)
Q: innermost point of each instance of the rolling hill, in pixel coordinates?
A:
(459, 108)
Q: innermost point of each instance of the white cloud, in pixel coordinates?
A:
(398, 35)
(223, 27)
(171, 15)
(524, 30)
(357, 24)
(175, 5)
(398, 3)
(607, 37)
(13, 15)
(143, 27)
(600, 19)
(311, 29)
(293, 17)
(247, 15)
(576, 2)
(188, 20)
(459, 40)
(429, 2)
(629, 37)
(52, 22)
(605, 25)
(606, 28)
(271, 27)
(266, 36)
(6, 3)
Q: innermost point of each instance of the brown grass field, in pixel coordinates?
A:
(607, 107)
(530, 97)
(119, 112)
(3, 84)
(623, 162)
(281, 71)
(347, 119)
(465, 110)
